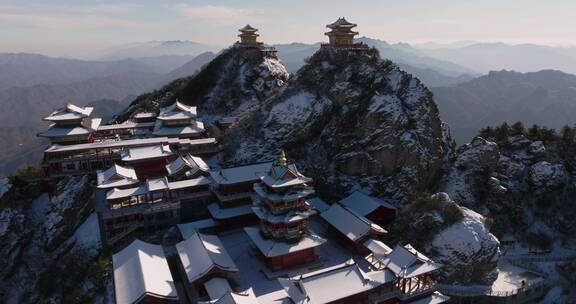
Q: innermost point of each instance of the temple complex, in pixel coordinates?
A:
(71, 125)
(284, 237)
(248, 234)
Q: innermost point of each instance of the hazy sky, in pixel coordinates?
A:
(67, 27)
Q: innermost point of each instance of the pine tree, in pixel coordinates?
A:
(568, 134)
(518, 128)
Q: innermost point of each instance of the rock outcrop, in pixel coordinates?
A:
(468, 251)
(237, 79)
(454, 236)
(49, 247)
(349, 118)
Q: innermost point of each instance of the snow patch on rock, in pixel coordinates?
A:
(467, 249)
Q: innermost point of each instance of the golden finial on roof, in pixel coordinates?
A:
(282, 161)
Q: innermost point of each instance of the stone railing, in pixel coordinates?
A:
(475, 291)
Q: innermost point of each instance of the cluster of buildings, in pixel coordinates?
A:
(267, 239)
(184, 230)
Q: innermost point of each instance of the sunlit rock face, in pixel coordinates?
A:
(348, 117)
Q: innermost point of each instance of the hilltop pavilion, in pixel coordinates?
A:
(248, 35)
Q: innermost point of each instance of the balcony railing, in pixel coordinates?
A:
(143, 208)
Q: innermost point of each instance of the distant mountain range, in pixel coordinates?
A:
(547, 98)
(431, 71)
(484, 57)
(159, 48)
(22, 70)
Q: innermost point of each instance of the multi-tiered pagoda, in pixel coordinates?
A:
(248, 35)
(342, 35)
(284, 237)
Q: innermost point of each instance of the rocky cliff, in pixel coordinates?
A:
(50, 247)
(524, 182)
(351, 120)
(237, 79)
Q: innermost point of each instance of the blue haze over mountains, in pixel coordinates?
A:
(32, 85)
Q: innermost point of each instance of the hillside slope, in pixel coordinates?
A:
(350, 119)
(237, 79)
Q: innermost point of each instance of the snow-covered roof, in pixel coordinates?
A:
(217, 287)
(189, 183)
(282, 174)
(333, 283)
(318, 204)
(220, 213)
(138, 142)
(56, 131)
(245, 297)
(243, 174)
(407, 262)
(147, 152)
(434, 298)
(272, 248)
(247, 28)
(188, 164)
(177, 110)
(352, 225)
(156, 184)
(187, 229)
(197, 128)
(112, 144)
(144, 115)
(201, 253)
(116, 176)
(379, 249)
(141, 269)
(341, 22)
(69, 112)
(364, 204)
(292, 194)
(123, 193)
(126, 125)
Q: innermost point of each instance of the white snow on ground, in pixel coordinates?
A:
(251, 266)
(510, 278)
(88, 234)
(4, 186)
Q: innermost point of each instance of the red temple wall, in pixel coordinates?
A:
(292, 259)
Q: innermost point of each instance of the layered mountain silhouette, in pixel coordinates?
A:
(546, 98)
